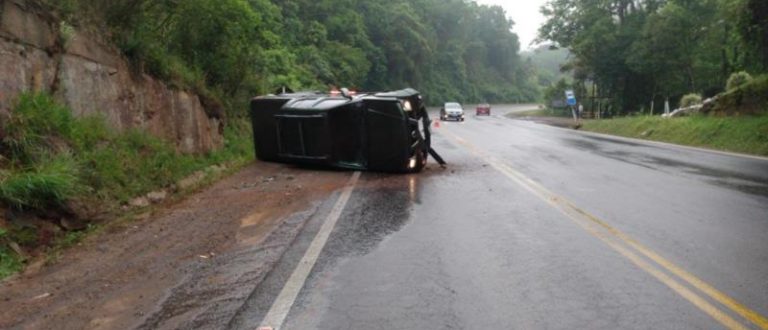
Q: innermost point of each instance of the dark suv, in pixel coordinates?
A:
(371, 131)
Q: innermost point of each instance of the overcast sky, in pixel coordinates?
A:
(526, 15)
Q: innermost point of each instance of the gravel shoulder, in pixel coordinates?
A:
(177, 266)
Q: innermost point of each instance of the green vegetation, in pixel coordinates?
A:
(235, 49)
(638, 53)
(53, 158)
(748, 99)
(690, 100)
(736, 134)
(50, 160)
(737, 79)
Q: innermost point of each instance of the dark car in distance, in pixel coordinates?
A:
(369, 131)
(483, 110)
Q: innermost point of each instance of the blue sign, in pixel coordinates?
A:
(570, 97)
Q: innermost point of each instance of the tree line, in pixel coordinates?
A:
(635, 53)
(449, 49)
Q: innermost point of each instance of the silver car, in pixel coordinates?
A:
(453, 111)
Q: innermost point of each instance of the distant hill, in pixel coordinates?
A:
(547, 63)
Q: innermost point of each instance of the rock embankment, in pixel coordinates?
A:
(40, 53)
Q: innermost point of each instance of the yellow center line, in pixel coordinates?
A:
(676, 286)
(696, 282)
(612, 237)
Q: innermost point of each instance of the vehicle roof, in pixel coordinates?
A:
(408, 92)
(321, 101)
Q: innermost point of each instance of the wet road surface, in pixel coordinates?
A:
(532, 226)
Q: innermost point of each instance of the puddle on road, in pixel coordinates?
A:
(381, 206)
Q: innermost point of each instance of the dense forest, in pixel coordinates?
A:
(642, 52)
(448, 49)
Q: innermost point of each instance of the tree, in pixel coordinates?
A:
(449, 49)
(639, 50)
(752, 16)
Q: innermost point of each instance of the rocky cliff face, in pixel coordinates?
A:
(90, 76)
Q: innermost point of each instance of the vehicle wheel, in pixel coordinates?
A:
(421, 161)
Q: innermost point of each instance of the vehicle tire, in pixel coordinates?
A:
(421, 161)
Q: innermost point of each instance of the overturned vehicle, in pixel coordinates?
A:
(386, 132)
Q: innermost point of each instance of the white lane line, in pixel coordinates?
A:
(285, 300)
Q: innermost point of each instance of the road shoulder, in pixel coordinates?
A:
(146, 273)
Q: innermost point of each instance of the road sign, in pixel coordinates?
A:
(570, 97)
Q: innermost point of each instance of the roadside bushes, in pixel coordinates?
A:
(55, 166)
(41, 171)
(46, 184)
(52, 158)
(737, 79)
(749, 98)
(690, 100)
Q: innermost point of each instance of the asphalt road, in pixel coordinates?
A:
(530, 227)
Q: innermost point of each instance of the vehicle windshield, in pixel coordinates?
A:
(453, 106)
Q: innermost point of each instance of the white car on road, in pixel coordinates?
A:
(452, 110)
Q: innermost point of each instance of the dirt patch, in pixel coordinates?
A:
(168, 269)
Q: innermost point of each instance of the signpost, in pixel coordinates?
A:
(570, 98)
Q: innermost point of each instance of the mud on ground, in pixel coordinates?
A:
(188, 265)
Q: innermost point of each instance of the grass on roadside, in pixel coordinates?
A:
(49, 160)
(736, 134)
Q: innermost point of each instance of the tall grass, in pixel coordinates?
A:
(47, 184)
(42, 171)
(49, 158)
(54, 157)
